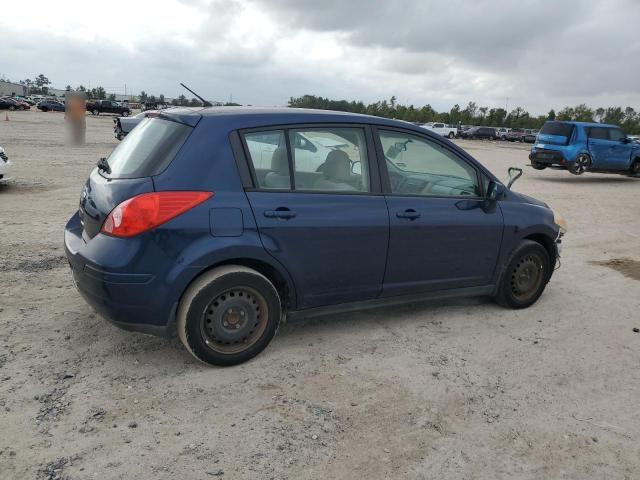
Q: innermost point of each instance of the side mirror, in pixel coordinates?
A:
(495, 191)
(514, 174)
(625, 140)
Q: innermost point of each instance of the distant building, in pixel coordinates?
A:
(9, 88)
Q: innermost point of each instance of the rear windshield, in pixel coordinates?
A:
(558, 129)
(148, 149)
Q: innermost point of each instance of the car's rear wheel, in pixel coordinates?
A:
(228, 315)
(538, 165)
(525, 276)
(581, 165)
(44, 109)
(95, 112)
(125, 114)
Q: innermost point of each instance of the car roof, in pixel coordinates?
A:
(584, 124)
(249, 117)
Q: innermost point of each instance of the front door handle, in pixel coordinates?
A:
(280, 212)
(409, 213)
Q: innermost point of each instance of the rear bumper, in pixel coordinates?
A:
(133, 301)
(549, 157)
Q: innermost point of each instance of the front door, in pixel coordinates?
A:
(443, 235)
(321, 221)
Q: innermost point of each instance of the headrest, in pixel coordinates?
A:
(279, 161)
(337, 166)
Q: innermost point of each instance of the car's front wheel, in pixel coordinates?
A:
(228, 315)
(451, 135)
(525, 276)
(95, 112)
(581, 165)
(125, 113)
(634, 171)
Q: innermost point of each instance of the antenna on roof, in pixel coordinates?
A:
(205, 103)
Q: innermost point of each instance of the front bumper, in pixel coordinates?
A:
(133, 301)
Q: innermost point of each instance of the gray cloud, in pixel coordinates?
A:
(539, 54)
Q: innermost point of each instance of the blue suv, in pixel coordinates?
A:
(219, 222)
(585, 147)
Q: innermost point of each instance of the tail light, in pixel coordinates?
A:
(147, 211)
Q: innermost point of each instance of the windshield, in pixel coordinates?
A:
(148, 149)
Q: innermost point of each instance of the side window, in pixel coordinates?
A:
(420, 167)
(268, 154)
(616, 134)
(330, 159)
(598, 133)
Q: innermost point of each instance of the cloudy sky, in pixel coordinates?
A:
(537, 53)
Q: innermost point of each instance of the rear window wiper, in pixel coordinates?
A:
(104, 165)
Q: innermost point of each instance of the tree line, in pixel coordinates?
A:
(472, 114)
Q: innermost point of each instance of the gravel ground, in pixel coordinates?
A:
(447, 390)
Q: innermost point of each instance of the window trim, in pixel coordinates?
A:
(386, 183)
(375, 185)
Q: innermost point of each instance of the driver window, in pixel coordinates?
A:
(421, 167)
(330, 159)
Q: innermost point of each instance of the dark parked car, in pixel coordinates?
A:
(530, 135)
(205, 222)
(47, 105)
(7, 105)
(108, 106)
(123, 125)
(17, 104)
(480, 133)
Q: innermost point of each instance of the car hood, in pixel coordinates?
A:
(521, 197)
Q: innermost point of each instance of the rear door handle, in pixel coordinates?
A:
(410, 213)
(281, 212)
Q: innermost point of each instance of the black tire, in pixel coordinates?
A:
(521, 139)
(634, 171)
(581, 165)
(451, 135)
(45, 109)
(525, 276)
(224, 300)
(12, 108)
(95, 112)
(538, 166)
(125, 114)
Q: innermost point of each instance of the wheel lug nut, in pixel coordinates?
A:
(225, 323)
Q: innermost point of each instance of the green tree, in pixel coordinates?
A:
(551, 115)
(143, 97)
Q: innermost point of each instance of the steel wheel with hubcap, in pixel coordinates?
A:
(634, 171)
(228, 315)
(581, 165)
(525, 275)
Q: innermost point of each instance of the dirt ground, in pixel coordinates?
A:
(446, 390)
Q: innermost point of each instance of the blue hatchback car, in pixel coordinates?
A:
(585, 147)
(219, 222)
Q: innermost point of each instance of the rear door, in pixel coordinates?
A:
(326, 223)
(442, 234)
(600, 147)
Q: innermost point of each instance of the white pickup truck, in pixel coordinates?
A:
(443, 129)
